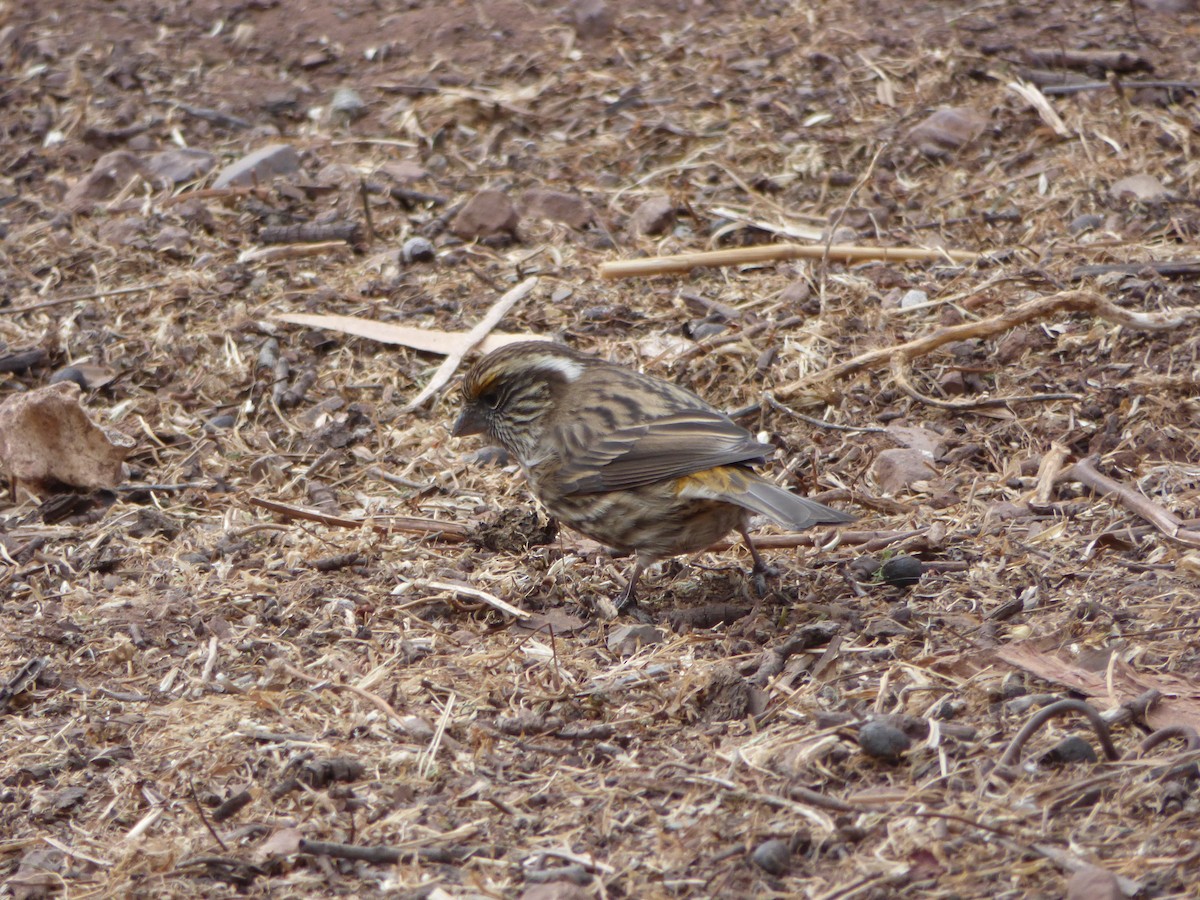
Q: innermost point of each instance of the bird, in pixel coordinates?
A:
(635, 462)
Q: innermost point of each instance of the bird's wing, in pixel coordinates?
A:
(668, 447)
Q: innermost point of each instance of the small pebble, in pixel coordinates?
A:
(70, 373)
(221, 422)
(1069, 750)
(1086, 222)
(417, 249)
(883, 740)
(347, 104)
(902, 571)
(774, 856)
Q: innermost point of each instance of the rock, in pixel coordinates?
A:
(1144, 188)
(902, 571)
(912, 298)
(774, 857)
(179, 165)
(629, 638)
(796, 294)
(883, 740)
(417, 249)
(172, 240)
(404, 171)
(559, 206)
(347, 105)
(260, 166)
(895, 470)
(555, 890)
(653, 216)
(1084, 223)
(47, 441)
(592, 18)
(1094, 883)
(111, 173)
(947, 130)
(69, 373)
(1170, 7)
(127, 231)
(1070, 751)
(338, 175)
(488, 214)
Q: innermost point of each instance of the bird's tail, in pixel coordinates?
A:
(758, 495)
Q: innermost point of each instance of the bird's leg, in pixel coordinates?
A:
(628, 597)
(761, 570)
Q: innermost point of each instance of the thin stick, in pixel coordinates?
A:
(93, 295)
(451, 532)
(685, 262)
(1041, 307)
(450, 365)
(474, 593)
(1160, 517)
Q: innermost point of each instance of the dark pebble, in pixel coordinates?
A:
(902, 571)
(865, 568)
(1073, 749)
(417, 249)
(774, 856)
(883, 740)
(70, 373)
(220, 423)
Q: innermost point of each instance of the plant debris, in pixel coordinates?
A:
(294, 640)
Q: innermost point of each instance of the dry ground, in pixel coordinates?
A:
(189, 648)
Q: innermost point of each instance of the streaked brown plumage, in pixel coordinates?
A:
(630, 460)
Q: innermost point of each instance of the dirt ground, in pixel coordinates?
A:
(204, 694)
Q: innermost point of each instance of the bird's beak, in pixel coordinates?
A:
(469, 422)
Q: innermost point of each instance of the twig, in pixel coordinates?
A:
(204, 818)
(1048, 472)
(93, 295)
(1072, 301)
(467, 591)
(451, 532)
(738, 256)
(450, 365)
(1012, 755)
(1161, 518)
(373, 699)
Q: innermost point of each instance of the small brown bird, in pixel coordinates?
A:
(627, 459)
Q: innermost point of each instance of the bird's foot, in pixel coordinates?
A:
(761, 572)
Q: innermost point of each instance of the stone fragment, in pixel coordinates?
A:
(260, 166)
(559, 206)
(653, 217)
(947, 130)
(108, 177)
(897, 469)
(488, 214)
(180, 164)
(592, 18)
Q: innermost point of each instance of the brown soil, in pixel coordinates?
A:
(194, 690)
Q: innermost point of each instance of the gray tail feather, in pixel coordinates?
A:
(786, 508)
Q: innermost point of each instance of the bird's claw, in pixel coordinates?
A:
(761, 572)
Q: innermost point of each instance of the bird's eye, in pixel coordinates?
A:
(490, 399)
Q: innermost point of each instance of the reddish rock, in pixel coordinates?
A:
(895, 470)
(559, 206)
(947, 130)
(109, 176)
(655, 215)
(592, 18)
(488, 214)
